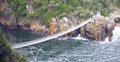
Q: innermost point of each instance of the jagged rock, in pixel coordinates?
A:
(99, 28)
(59, 25)
(25, 24)
(6, 18)
(115, 15)
(35, 26)
(117, 20)
(53, 27)
(6, 21)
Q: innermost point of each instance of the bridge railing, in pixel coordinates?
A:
(28, 43)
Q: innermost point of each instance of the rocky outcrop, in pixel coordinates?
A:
(117, 20)
(53, 27)
(25, 25)
(33, 26)
(36, 26)
(6, 18)
(59, 25)
(100, 28)
(8, 21)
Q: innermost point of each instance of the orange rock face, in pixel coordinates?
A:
(37, 27)
(52, 28)
(8, 22)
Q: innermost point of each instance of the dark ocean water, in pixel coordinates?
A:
(68, 50)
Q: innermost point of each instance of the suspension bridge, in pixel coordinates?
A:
(28, 43)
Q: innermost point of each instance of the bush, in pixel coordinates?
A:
(7, 54)
(46, 9)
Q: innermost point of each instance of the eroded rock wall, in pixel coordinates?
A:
(100, 28)
(6, 16)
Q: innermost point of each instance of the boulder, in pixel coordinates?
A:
(25, 25)
(98, 29)
(6, 16)
(37, 27)
(117, 20)
(9, 22)
(53, 26)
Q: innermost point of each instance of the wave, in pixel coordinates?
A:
(79, 38)
(116, 37)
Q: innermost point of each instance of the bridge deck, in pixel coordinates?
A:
(24, 44)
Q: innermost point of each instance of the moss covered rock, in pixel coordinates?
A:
(7, 54)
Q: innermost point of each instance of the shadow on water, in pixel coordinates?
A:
(21, 35)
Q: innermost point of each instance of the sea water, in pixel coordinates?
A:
(75, 49)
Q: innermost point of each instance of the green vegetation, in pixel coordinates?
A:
(117, 3)
(18, 8)
(46, 9)
(7, 54)
(4, 42)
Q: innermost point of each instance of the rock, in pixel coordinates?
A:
(6, 21)
(6, 16)
(25, 25)
(110, 27)
(62, 28)
(29, 9)
(65, 19)
(35, 26)
(53, 27)
(99, 28)
(117, 20)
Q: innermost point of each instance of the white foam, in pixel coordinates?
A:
(79, 38)
(106, 41)
(63, 38)
(36, 41)
(116, 36)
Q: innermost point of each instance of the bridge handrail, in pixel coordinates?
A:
(50, 36)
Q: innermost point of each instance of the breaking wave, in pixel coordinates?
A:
(116, 36)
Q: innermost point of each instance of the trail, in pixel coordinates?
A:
(28, 43)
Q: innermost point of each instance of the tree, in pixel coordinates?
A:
(18, 7)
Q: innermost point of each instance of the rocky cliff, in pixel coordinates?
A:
(50, 17)
(100, 27)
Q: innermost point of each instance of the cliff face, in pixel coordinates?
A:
(7, 17)
(100, 27)
(53, 16)
(7, 54)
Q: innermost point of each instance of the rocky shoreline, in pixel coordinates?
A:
(57, 25)
(100, 28)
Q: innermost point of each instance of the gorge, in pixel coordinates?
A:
(97, 40)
